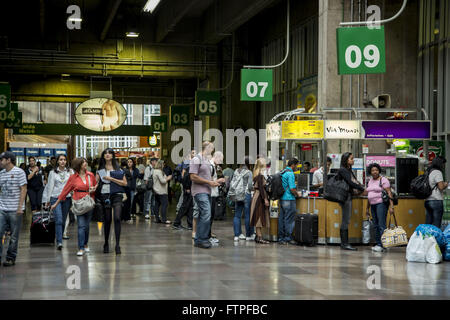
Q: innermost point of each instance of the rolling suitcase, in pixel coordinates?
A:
(42, 228)
(306, 228)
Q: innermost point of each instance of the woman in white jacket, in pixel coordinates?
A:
(160, 183)
(57, 179)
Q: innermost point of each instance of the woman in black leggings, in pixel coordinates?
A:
(35, 186)
(110, 191)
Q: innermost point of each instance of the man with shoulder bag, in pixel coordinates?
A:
(149, 199)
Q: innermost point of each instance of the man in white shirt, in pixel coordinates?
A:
(13, 190)
(317, 181)
(149, 197)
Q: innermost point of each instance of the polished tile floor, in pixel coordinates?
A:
(160, 263)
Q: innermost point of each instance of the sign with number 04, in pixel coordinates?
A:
(207, 103)
(361, 50)
(159, 123)
(256, 85)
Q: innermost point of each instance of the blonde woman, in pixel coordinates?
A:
(160, 183)
(259, 210)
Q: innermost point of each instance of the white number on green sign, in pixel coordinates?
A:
(252, 89)
(371, 56)
(180, 118)
(203, 106)
(158, 126)
(3, 101)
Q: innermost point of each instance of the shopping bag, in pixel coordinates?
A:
(434, 254)
(394, 237)
(368, 229)
(415, 251)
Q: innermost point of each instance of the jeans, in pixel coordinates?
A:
(286, 218)
(161, 200)
(14, 221)
(83, 229)
(149, 202)
(203, 201)
(240, 206)
(35, 198)
(379, 213)
(61, 211)
(180, 199)
(186, 210)
(346, 213)
(435, 210)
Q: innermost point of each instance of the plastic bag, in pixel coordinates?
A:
(434, 254)
(447, 252)
(415, 251)
(430, 230)
(368, 232)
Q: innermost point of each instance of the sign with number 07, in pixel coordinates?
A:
(361, 50)
(256, 85)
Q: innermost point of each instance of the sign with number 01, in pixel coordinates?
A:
(361, 50)
(159, 123)
(179, 115)
(207, 103)
(256, 85)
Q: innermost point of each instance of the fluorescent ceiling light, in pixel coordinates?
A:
(151, 5)
(65, 75)
(132, 34)
(76, 19)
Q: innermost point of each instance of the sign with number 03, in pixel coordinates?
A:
(256, 85)
(361, 50)
(207, 103)
(179, 115)
(159, 123)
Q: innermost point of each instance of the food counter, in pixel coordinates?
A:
(410, 212)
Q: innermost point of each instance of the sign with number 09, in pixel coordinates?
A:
(256, 85)
(361, 50)
(207, 103)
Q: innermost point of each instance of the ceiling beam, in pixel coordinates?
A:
(169, 16)
(109, 20)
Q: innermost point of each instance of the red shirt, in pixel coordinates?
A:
(76, 184)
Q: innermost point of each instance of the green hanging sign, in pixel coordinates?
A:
(207, 103)
(256, 85)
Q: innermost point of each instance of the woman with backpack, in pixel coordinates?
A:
(259, 212)
(375, 187)
(240, 193)
(434, 204)
(346, 173)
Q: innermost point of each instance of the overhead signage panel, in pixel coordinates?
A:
(342, 129)
(383, 161)
(302, 129)
(207, 103)
(179, 115)
(392, 129)
(100, 114)
(78, 130)
(256, 85)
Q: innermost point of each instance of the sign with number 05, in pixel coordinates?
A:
(159, 123)
(256, 85)
(179, 115)
(361, 50)
(207, 103)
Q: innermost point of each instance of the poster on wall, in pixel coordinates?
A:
(100, 114)
(307, 94)
(435, 148)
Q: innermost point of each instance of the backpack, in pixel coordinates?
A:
(149, 185)
(186, 180)
(274, 185)
(237, 187)
(420, 186)
(177, 174)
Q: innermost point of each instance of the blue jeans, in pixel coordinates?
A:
(14, 221)
(61, 211)
(379, 213)
(240, 206)
(288, 209)
(83, 229)
(203, 201)
(435, 210)
(149, 202)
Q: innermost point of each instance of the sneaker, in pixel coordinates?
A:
(193, 235)
(203, 245)
(59, 247)
(66, 237)
(9, 263)
(242, 237)
(176, 227)
(213, 240)
(86, 249)
(80, 253)
(236, 239)
(251, 238)
(377, 248)
(147, 216)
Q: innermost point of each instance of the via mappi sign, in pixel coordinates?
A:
(256, 85)
(361, 50)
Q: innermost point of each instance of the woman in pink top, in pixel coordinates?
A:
(378, 208)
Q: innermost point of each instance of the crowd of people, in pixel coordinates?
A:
(113, 192)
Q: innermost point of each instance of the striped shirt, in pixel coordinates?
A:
(10, 183)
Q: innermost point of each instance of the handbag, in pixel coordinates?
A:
(336, 189)
(368, 229)
(394, 237)
(83, 205)
(385, 196)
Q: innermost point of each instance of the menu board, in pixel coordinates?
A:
(302, 129)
